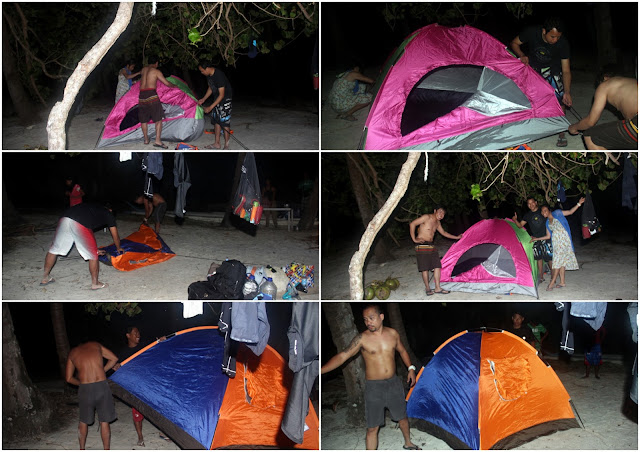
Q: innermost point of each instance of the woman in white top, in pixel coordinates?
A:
(124, 80)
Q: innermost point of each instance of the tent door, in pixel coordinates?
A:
(495, 259)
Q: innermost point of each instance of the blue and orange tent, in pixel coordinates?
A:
(488, 390)
(178, 384)
(143, 247)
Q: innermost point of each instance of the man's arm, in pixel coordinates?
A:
(116, 238)
(566, 80)
(69, 373)
(520, 224)
(112, 359)
(217, 101)
(339, 359)
(412, 227)
(446, 234)
(515, 46)
(411, 377)
(206, 96)
(599, 103)
(165, 81)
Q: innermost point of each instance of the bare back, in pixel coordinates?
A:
(427, 227)
(622, 93)
(379, 353)
(87, 359)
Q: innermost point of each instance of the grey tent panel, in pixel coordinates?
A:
(463, 79)
(490, 288)
(176, 130)
(495, 259)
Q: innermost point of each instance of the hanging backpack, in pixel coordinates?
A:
(590, 223)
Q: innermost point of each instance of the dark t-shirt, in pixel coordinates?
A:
(92, 216)
(219, 80)
(127, 351)
(537, 223)
(541, 54)
(524, 332)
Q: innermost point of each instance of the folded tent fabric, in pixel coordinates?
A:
(143, 247)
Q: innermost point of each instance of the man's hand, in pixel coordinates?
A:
(459, 237)
(525, 60)
(120, 250)
(200, 101)
(116, 366)
(208, 109)
(573, 129)
(515, 217)
(566, 99)
(101, 252)
(411, 378)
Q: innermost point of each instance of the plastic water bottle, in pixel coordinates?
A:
(268, 287)
(250, 286)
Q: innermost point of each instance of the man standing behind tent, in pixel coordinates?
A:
(383, 388)
(426, 252)
(542, 249)
(154, 207)
(220, 87)
(76, 226)
(149, 106)
(93, 389)
(622, 93)
(549, 56)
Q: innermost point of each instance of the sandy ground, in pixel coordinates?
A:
(608, 271)
(256, 127)
(598, 402)
(340, 134)
(197, 244)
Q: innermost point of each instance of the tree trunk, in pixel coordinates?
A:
(21, 101)
(25, 411)
(343, 330)
(60, 335)
(357, 261)
(604, 34)
(59, 113)
(395, 319)
(308, 217)
(381, 250)
(226, 221)
(10, 216)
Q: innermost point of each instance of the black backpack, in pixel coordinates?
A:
(229, 279)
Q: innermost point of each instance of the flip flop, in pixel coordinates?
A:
(559, 286)
(101, 287)
(442, 292)
(429, 292)
(562, 142)
(49, 281)
(414, 447)
(211, 146)
(549, 289)
(146, 142)
(161, 146)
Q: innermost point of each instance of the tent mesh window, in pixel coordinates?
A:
(495, 259)
(444, 89)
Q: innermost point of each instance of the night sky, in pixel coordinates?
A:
(34, 331)
(35, 180)
(357, 32)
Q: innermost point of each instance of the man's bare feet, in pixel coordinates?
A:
(99, 286)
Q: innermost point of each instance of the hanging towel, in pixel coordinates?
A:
(191, 309)
(182, 182)
(590, 311)
(250, 325)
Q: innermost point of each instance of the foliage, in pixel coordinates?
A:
(128, 308)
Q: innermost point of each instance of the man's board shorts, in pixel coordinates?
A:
(221, 113)
(555, 80)
(137, 415)
(69, 232)
(594, 356)
(96, 397)
(615, 135)
(158, 212)
(428, 258)
(381, 394)
(149, 106)
(542, 249)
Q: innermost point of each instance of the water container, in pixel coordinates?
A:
(268, 287)
(250, 286)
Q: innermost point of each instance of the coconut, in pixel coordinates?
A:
(392, 283)
(369, 293)
(383, 292)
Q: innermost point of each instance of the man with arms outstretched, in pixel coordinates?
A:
(93, 389)
(426, 252)
(383, 388)
(149, 106)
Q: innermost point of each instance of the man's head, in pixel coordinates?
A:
(518, 319)
(206, 68)
(140, 199)
(153, 61)
(440, 212)
(373, 317)
(69, 181)
(552, 30)
(133, 336)
(532, 204)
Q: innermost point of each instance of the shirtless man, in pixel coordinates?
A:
(155, 207)
(622, 93)
(149, 106)
(383, 388)
(93, 389)
(427, 254)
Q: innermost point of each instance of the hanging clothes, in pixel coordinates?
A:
(248, 190)
(567, 339)
(152, 166)
(191, 309)
(591, 312)
(230, 346)
(249, 325)
(590, 223)
(629, 188)
(304, 361)
(182, 182)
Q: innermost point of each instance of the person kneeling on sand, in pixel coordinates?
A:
(383, 388)
(76, 226)
(622, 93)
(428, 259)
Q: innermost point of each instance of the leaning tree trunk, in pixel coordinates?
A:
(60, 111)
(308, 217)
(25, 411)
(343, 330)
(378, 221)
(60, 335)
(21, 101)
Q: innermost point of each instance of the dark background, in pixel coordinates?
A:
(36, 179)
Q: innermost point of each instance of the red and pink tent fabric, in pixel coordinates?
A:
(459, 88)
(184, 118)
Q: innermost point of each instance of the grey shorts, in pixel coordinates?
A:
(158, 212)
(96, 397)
(69, 232)
(381, 394)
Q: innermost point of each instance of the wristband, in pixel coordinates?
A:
(411, 367)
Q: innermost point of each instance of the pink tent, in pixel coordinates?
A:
(493, 256)
(459, 88)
